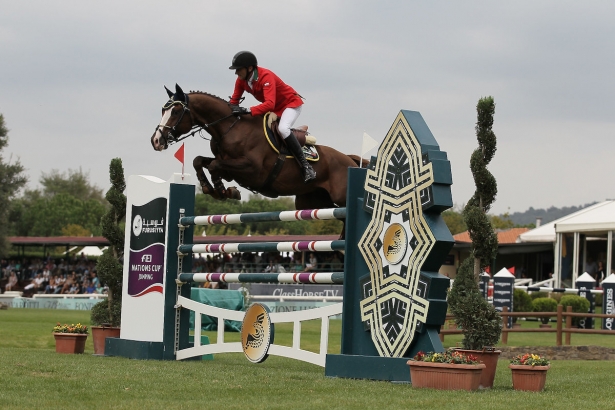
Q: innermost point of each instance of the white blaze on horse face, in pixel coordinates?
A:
(165, 118)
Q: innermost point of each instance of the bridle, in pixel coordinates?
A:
(196, 128)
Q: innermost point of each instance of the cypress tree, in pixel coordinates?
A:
(479, 320)
(109, 266)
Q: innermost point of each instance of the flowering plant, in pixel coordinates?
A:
(78, 328)
(529, 359)
(449, 356)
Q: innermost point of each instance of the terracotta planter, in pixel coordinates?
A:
(528, 378)
(445, 376)
(70, 343)
(545, 326)
(99, 334)
(490, 359)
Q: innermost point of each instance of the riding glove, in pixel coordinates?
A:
(237, 110)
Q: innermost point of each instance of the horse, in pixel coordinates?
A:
(243, 154)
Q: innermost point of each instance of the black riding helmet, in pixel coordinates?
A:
(243, 59)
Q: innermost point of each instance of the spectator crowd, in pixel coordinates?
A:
(71, 275)
(77, 274)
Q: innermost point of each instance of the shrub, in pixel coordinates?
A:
(545, 305)
(522, 302)
(536, 295)
(556, 296)
(480, 322)
(578, 303)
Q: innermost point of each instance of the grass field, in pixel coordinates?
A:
(33, 376)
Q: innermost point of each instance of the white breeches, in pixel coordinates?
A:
(288, 118)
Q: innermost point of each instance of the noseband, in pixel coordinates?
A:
(170, 139)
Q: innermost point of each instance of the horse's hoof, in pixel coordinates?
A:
(233, 193)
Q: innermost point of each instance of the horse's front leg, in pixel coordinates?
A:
(200, 163)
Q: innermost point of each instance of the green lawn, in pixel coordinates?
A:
(34, 376)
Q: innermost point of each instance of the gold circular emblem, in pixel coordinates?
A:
(395, 243)
(256, 333)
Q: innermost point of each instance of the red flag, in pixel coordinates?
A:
(512, 270)
(180, 156)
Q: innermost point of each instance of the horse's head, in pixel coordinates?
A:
(174, 122)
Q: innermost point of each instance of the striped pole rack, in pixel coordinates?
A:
(314, 246)
(284, 216)
(302, 277)
(557, 290)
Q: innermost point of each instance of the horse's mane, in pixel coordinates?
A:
(208, 94)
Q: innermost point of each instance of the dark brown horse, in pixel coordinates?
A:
(243, 154)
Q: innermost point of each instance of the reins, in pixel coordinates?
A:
(196, 128)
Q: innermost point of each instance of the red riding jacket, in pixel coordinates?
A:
(274, 94)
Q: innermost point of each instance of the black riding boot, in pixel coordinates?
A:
(293, 145)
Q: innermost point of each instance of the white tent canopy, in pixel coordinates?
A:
(596, 220)
(91, 251)
(546, 232)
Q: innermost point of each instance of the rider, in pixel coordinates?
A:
(274, 95)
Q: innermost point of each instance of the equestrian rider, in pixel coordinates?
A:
(276, 96)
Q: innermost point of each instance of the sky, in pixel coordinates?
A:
(81, 82)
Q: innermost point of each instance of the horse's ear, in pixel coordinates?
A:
(179, 93)
(169, 92)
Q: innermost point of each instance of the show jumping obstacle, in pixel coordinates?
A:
(394, 298)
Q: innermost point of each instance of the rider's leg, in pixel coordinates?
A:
(288, 118)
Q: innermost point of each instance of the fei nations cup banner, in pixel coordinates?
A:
(147, 238)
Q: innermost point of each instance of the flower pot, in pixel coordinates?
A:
(528, 378)
(445, 376)
(490, 359)
(99, 334)
(545, 326)
(70, 342)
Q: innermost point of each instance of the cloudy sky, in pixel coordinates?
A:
(81, 82)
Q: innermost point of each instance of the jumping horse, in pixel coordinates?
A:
(242, 153)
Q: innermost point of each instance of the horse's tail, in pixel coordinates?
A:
(360, 162)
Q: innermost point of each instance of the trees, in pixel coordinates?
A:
(12, 180)
(66, 203)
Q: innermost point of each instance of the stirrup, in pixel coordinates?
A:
(308, 174)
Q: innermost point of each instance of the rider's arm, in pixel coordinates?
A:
(269, 94)
(238, 92)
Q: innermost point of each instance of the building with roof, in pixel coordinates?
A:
(581, 241)
(530, 260)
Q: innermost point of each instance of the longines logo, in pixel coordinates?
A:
(395, 243)
(256, 333)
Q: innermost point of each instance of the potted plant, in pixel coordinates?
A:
(480, 322)
(529, 372)
(106, 316)
(450, 370)
(70, 338)
(544, 305)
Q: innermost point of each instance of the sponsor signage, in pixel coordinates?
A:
(584, 283)
(608, 304)
(147, 238)
(503, 287)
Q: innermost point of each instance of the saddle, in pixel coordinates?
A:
(276, 141)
